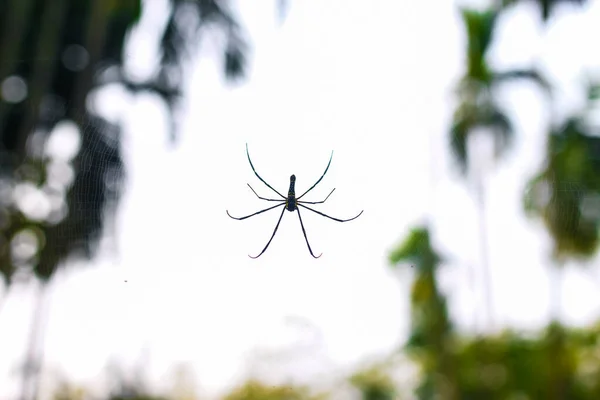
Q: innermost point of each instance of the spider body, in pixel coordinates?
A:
(290, 203)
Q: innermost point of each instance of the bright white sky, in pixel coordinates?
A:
(374, 85)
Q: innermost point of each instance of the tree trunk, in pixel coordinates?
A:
(33, 360)
(3, 299)
(556, 273)
(485, 264)
(478, 156)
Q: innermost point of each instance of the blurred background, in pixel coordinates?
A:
(468, 131)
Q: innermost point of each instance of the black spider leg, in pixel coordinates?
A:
(258, 212)
(316, 202)
(325, 215)
(313, 186)
(272, 236)
(262, 198)
(262, 180)
(305, 238)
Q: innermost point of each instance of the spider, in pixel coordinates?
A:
(290, 203)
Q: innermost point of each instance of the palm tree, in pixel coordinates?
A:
(478, 109)
(431, 336)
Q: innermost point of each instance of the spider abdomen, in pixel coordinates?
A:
(290, 203)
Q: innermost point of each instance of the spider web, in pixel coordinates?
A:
(74, 196)
(67, 190)
(568, 211)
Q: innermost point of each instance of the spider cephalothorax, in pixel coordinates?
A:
(291, 203)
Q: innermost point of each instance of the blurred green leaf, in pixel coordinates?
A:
(415, 249)
(375, 383)
(255, 390)
(566, 194)
(530, 75)
(470, 116)
(480, 29)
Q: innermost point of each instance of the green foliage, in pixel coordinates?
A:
(479, 27)
(527, 75)
(565, 194)
(556, 364)
(137, 391)
(255, 390)
(593, 91)
(69, 392)
(375, 383)
(470, 116)
(138, 397)
(429, 317)
(415, 249)
(431, 334)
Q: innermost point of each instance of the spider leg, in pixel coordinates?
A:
(317, 202)
(256, 173)
(258, 212)
(313, 186)
(305, 238)
(262, 198)
(325, 215)
(272, 236)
